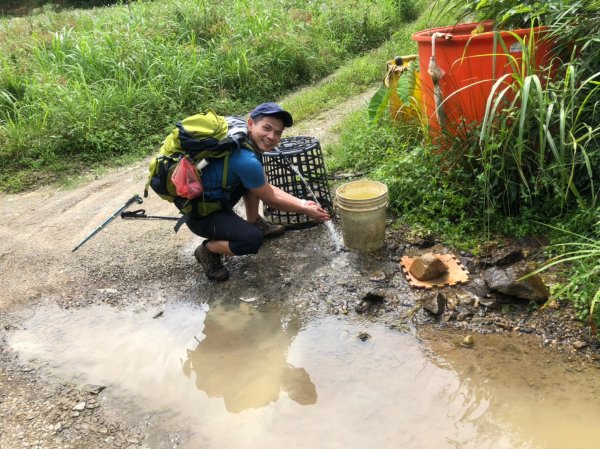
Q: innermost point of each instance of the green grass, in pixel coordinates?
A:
(353, 78)
(83, 89)
(534, 160)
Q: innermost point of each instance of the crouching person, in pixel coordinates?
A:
(243, 176)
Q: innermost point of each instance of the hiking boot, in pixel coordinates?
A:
(269, 229)
(211, 263)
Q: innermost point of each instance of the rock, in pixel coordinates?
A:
(80, 406)
(427, 266)
(505, 281)
(466, 298)
(377, 276)
(363, 336)
(434, 303)
(493, 302)
(464, 313)
(503, 257)
(503, 325)
(93, 389)
(478, 287)
(376, 295)
(451, 316)
(468, 341)
(509, 257)
(579, 345)
(426, 242)
(451, 302)
(363, 307)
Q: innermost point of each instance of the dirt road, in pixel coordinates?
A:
(129, 262)
(143, 264)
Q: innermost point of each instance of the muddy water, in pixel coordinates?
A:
(244, 375)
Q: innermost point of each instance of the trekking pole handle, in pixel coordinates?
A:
(141, 213)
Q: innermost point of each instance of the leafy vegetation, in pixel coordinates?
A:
(533, 160)
(583, 287)
(84, 88)
(507, 14)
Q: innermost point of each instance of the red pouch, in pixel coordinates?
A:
(186, 180)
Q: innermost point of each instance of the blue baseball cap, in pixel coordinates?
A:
(273, 109)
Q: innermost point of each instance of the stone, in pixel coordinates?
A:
(478, 287)
(426, 242)
(377, 276)
(363, 336)
(434, 303)
(494, 301)
(427, 267)
(377, 295)
(468, 341)
(506, 281)
(502, 257)
(93, 389)
(362, 307)
(80, 406)
(466, 298)
(509, 257)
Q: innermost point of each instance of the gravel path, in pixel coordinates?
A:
(144, 264)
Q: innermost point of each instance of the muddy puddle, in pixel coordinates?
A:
(250, 375)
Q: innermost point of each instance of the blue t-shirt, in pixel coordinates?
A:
(244, 170)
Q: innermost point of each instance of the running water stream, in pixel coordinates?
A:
(335, 236)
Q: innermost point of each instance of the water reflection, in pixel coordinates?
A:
(390, 391)
(243, 359)
(518, 394)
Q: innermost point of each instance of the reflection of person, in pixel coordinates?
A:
(226, 232)
(243, 359)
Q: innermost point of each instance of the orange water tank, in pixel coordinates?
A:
(470, 58)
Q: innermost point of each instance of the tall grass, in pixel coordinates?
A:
(535, 158)
(80, 89)
(538, 143)
(582, 254)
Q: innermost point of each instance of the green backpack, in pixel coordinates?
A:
(201, 136)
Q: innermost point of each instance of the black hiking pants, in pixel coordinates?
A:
(243, 237)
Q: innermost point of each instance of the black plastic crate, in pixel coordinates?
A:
(296, 163)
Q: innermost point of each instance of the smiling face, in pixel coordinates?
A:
(265, 131)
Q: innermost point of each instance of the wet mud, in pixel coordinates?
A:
(125, 344)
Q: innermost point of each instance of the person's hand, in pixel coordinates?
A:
(315, 211)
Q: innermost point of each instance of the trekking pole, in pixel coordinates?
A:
(134, 199)
(141, 213)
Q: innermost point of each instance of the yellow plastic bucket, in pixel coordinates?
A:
(362, 206)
